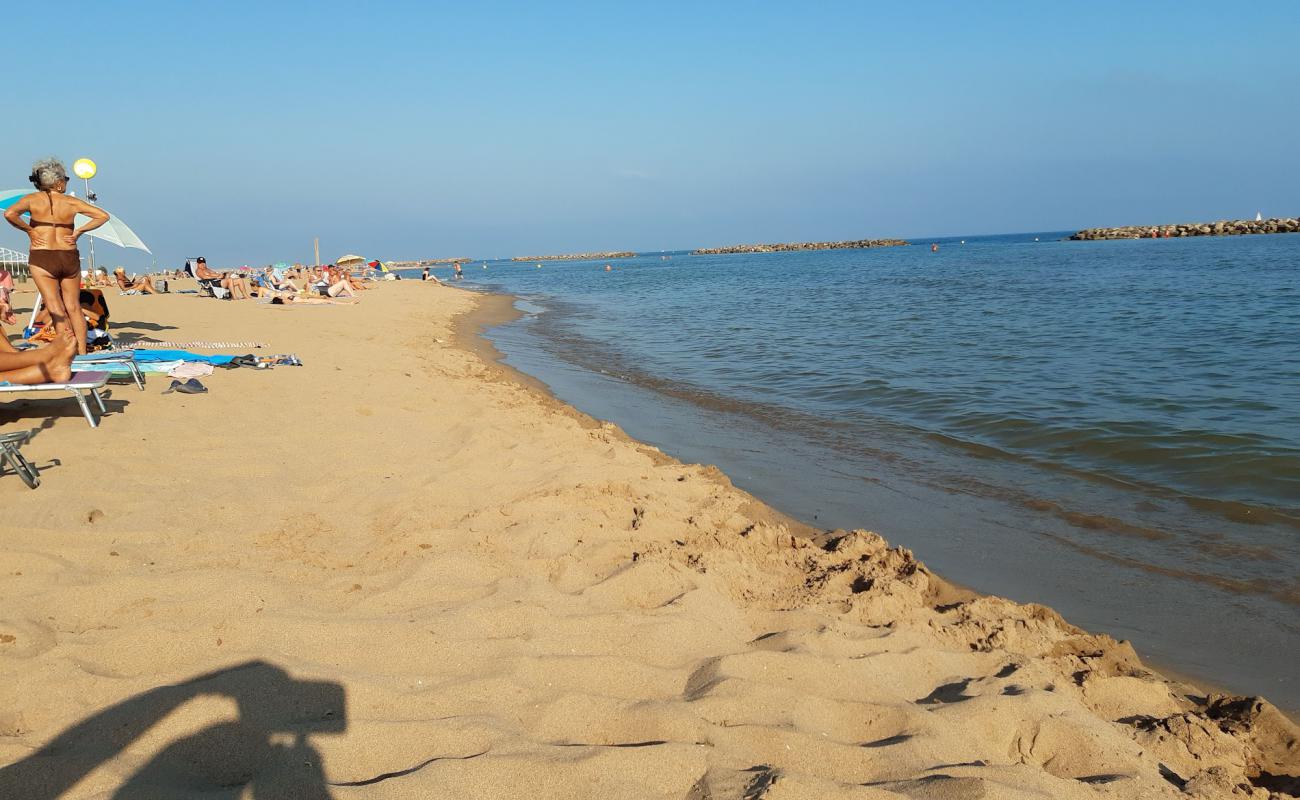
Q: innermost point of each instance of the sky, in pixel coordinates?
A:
(240, 131)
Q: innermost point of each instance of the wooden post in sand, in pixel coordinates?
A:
(315, 243)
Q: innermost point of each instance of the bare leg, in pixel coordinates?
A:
(146, 284)
(52, 293)
(49, 364)
(72, 301)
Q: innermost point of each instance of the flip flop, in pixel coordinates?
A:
(191, 386)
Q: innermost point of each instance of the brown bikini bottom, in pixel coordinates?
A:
(58, 263)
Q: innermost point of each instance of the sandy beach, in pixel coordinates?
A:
(404, 571)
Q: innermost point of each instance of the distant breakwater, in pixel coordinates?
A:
(1236, 227)
(575, 257)
(791, 246)
(426, 262)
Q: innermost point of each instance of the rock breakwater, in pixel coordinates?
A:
(1236, 227)
(576, 257)
(787, 247)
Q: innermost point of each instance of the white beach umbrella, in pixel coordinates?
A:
(115, 231)
(350, 260)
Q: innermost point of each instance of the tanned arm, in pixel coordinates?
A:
(13, 215)
(98, 216)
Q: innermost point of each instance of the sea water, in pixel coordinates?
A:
(1109, 428)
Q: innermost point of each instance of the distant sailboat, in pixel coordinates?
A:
(1259, 216)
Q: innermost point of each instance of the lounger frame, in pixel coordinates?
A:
(13, 456)
(113, 357)
(79, 386)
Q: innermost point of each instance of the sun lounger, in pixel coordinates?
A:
(125, 358)
(10, 454)
(211, 287)
(79, 385)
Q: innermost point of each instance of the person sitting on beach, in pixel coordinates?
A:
(230, 281)
(94, 308)
(339, 286)
(278, 284)
(346, 275)
(142, 284)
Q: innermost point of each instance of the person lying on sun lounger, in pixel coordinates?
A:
(142, 284)
(49, 364)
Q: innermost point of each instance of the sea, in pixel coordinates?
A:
(1109, 428)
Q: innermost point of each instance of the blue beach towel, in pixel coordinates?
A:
(145, 356)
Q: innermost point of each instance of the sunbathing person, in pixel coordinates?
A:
(230, 281)
(340, 286)
(49, 364)
(308, 300)
(142, 284)
(353, 281)
(279, 284)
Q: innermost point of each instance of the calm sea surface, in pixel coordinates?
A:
(1111, 428)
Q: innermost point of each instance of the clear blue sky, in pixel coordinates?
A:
(399, 130)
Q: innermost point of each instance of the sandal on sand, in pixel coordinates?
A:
(191, 386)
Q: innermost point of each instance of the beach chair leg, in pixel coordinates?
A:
(136, 374)
(25, 469)
(99, 401)
(85, 408)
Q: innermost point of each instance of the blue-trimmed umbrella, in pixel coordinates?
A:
(114, 231)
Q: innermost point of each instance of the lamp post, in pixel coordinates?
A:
(85, 169)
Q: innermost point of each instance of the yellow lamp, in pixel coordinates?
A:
(84, 168)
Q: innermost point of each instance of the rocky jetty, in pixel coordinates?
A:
(426, 262)
(787, 247)
(1236, 227)
(576, 257)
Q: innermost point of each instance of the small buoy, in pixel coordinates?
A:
(608, 268)
(963, 241)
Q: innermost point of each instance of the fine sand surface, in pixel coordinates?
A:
(401, 572)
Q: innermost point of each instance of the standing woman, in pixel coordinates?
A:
(53, 256)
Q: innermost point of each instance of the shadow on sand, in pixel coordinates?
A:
(264, 754)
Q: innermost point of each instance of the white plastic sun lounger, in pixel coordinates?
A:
(79, 385)
(123, 357)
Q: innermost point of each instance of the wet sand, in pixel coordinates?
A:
(401, 571)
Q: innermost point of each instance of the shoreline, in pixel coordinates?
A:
(497, 308)
(533, 595)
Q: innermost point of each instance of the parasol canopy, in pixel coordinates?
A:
(350, 260)
(115, 230)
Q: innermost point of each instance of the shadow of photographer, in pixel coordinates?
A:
(266, 752)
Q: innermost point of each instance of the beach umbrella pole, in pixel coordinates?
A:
(92, 241)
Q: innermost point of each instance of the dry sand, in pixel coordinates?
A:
(399, 571)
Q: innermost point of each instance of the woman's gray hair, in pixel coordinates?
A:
(47, 172)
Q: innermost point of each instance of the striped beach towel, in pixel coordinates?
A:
(153, 344)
